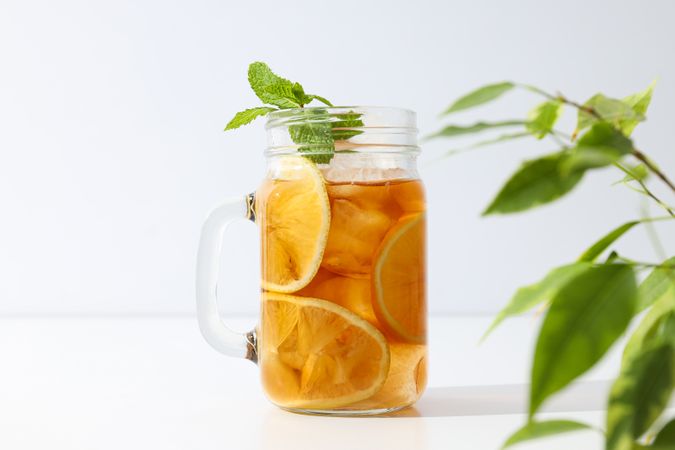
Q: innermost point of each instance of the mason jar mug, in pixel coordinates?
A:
(341, 213)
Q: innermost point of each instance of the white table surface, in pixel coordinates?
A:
(153, 383)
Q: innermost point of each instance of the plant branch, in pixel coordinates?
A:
(651, 166)
(645, 190)
(587, 109)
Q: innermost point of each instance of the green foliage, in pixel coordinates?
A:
(537, 182)
(542, 119)
(247, 116)
(601, 146)
(610, 110)
(537, 430)
(665, 440)
(272, 89)
(659, 284)
(638, 172)
(480, 96)
(658, 324)
(639, 102)
(603, 243)
(587, 315)
(527, 297)
(640, 394)
(317, 135)
(347, 126)
(310, 97)
(590, 303)
(316, 140)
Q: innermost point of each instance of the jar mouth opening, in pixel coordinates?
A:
(392, 116)
(355, 129)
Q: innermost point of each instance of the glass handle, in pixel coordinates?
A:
(213, 328)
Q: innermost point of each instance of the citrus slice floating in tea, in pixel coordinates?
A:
(350, 293)
(295, 230)
(398, 280)
(319, 355)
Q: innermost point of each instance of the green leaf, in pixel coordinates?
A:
(587, 315)
(247, 116)
(344, 127)
(310, 97)
(610, 109)
(635, 173)
(639, 395)
(535, 183)
(270, 88)
(480, 96)
(314, 136)
(601, 245)
(536, 430)
(666, 437)
(639, 102)
(601, 146)
(459, 130)
(527, 297)
(659, 283)
(656, 325)
(304, 99)
(282, 95)
(542, 118)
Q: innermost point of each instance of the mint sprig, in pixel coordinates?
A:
(315, 138)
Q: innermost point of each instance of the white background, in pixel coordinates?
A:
(112, 150)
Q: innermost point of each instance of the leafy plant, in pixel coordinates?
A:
(589, 302)
(317, 133)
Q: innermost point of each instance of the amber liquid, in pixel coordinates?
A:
(367, 220)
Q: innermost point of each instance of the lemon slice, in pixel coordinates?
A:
(399, 297)
(318, 355)
(294, 215)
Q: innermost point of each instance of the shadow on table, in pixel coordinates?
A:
(505, 399)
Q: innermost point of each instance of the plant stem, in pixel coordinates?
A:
(646, 191)
(587, 109)
(651, 166)
(590, 110)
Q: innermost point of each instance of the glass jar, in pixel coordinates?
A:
(341, 213)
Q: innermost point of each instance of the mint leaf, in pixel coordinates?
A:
(659, 283)
(640, 394)
(542, 118)
(639, 102)
(537, 182)
(308, 98)
(528, 297)
(601, 146)
(601, 245)
(314, 136)
(270, 88)
(537, 430)
(480, 96)
(458, 130)
(610, 109)
(247, 116)
(587, 315)
(342, 129)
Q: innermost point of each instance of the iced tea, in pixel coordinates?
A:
(344, 302)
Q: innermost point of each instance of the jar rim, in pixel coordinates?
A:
(358, 129)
